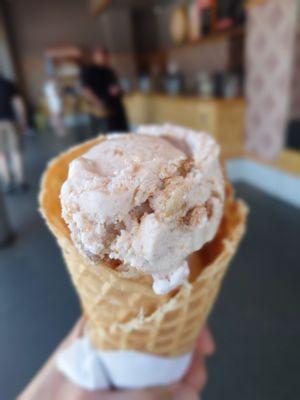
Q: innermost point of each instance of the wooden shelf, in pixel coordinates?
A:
(160, 56)
(288, 160)
(186, 96)
(255, 3)
(214, 36)
(224, 119)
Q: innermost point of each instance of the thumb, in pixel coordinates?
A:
(146, 394)
(184, 393)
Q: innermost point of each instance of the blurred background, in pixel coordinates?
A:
(70, 69)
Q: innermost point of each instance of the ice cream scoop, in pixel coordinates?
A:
(146, 200)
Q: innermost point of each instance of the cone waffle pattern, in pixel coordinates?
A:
(124, 312)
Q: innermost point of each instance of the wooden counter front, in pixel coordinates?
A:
(224, 119)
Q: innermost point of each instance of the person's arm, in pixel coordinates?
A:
(114, 88)
(20, 110)
(50, 384)
(91, 98)
(88, 93)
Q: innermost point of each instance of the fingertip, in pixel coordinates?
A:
(198, 381)
(196, 377)
(206, 342)
(78, 328)
(182, 392)
(75, 333)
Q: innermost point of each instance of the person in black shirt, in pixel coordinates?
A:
(102, 90)
(7, 235)
(12, 110)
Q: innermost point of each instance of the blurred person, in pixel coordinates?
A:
(102, 90)
(55, 106)
(53, 98)
(7, 235)
(13, 123)
(50, 384)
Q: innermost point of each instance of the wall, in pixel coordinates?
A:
(269, 51)
(211, 56)
(295, 90)
(39, 24)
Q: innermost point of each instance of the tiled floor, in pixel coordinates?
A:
(255, 323)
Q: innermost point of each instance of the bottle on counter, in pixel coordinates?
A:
(144, 83)
(174, 79)
(205, 85)
(231, 86)
(126, 84)
(228, 85)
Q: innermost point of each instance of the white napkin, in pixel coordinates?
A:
(125, 369)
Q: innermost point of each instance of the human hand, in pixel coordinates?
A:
(114, 90)
(50, 384)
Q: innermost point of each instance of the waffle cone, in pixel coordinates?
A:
(122, 311)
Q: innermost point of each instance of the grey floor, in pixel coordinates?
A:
(255, 322)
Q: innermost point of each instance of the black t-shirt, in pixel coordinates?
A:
(7, 92)
(98, 80)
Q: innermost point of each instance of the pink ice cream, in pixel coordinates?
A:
(147, 200)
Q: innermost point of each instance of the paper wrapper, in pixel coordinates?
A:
(122, 311)
(94, 369)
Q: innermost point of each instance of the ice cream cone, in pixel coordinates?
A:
(122, 311)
